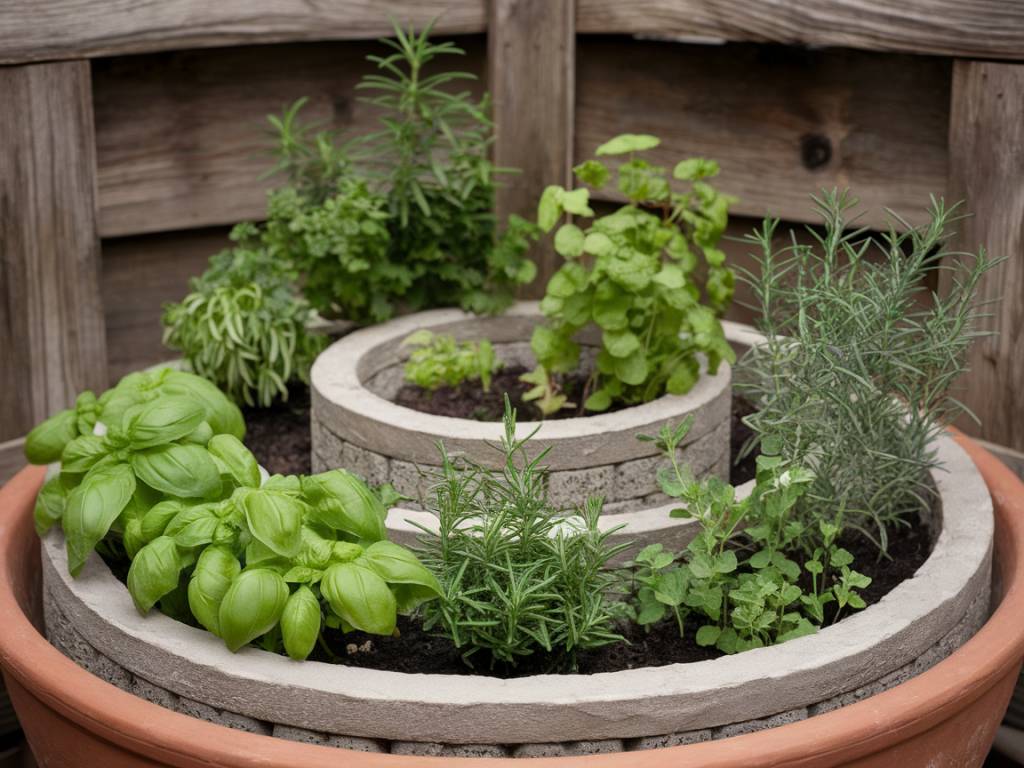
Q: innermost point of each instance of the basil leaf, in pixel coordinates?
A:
(252, 606)
(156, 519)
(300, 623)
(223, 415)
(397, 565)
(132, 538)
(178, 470)
(360, 598)
(343, 502)
(163, 421)
(216, 568)
(200, 435)
(83, 453)
(50, 504)
(92, 508)
(238, 460)
(154, 572)
(197, 533)
(275, 519)
(46, 442)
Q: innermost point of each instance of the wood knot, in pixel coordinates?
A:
(815, 151)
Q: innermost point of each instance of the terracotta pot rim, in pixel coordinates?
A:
(851, 732)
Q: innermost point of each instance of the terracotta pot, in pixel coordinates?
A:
(946, 716)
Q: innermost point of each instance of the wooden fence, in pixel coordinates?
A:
(131, 137)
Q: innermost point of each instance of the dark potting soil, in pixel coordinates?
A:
(741, 469)
(469, 401)
(279, 436)
(415, 650)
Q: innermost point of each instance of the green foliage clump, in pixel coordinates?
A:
(402, 217)
(167, 484)
(243, 327)
(737, 578)
(633, 274)
(518, 578)
(440, 360)
(854, 380)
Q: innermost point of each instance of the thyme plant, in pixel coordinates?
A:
(517, 577)
(854, 381)
(401, 217)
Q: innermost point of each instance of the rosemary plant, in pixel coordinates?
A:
(518, 577)
(855, 379)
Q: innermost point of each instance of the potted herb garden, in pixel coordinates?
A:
(532, 532)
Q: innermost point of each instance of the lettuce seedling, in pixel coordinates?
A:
(439, 360)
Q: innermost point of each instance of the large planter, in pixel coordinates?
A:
(355, 424)
(921, 621)
(948, 713)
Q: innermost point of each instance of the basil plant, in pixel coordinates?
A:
(166, 483)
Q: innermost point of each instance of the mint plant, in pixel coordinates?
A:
(243, 327)
(517, 577)
(209, 537)
(633, 274)
(855, 379)
(400, 218)
(738, 578)
(440, 360)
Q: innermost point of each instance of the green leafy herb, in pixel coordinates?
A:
(632, 274)
(439, 360)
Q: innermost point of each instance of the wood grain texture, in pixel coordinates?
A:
(51, 319)
(31, 30)
(969, 28)
(531, 60)
(12, 458)
(783, 123)
(140, 275)
(182, 138)
(986, 139)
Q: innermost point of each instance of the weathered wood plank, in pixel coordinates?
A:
(51, 319)
(140, 275)
(531, 58)
(12, 458)
(183, 138)
(969, 28)
(783, 122)
(63, 29)
(986, 139)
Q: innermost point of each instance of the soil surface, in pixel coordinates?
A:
(279, 436)
(415, 650)
(469, 401)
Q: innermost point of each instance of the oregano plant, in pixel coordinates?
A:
(634, 274)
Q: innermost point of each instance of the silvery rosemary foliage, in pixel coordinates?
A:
(243, 327)
(517, 577)
(855, 379)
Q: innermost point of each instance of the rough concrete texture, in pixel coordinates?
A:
(429, 749)
(93, 616)
(750, 726)
(670, 740)
(203, 711)
(571, 489)
(328, 740)
(343, 400)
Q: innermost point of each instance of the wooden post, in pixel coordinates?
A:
(531, 73)
(52, 335)
(986, 169)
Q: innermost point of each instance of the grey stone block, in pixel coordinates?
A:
(305, 736)
(598, 747)
(409, 480)
(231, 719)
(371, 466)
(153, 693)
(669, 740)
(553, 749)
(433, 749)
(890, 680)
(326, 444)
(570, 489)
(752, 726)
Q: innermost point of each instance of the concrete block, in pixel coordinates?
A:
(570, 489)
